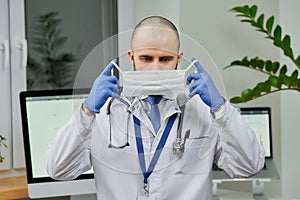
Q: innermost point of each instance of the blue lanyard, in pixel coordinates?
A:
(159, 148)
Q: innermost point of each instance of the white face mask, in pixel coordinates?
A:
(170, 83)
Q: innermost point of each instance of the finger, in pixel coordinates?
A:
(109, 67)
(113, 92)
(198, 66)
(112, 86)
(104, 81)
(194, 85)
(112, 79)
(193, 93)
(191, 77)
(115, 95)
(197, 90)
(198, 86)
(116, 61)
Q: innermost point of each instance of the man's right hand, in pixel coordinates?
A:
(104, 86)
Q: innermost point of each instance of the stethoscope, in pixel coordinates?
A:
(179, 143)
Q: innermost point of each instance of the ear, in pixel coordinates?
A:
(130, 54)
(179, 57)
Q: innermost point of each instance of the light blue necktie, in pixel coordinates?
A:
(154, 112)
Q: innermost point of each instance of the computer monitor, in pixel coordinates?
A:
(259, 120)
(43, 114)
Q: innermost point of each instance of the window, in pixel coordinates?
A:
(61, 34)
(76, 26)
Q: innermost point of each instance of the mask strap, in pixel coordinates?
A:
(117, 67)
(191, 65)
(121, 99)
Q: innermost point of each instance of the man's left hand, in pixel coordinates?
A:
(204, 86)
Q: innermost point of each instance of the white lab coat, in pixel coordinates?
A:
(224, 139)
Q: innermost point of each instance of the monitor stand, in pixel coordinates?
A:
(84, 197)
(257, 188)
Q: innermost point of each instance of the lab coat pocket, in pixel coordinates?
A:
(195, 159)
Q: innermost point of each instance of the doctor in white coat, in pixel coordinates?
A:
(136, 157)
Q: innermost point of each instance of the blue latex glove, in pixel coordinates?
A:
(104, 86)
(204, 86)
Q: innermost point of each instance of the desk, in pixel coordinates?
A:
(13, 188)
(16, 188)
(235, 195)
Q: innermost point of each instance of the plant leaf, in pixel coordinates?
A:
(237, 100)
(53, 70)
(273, 80)
(246, 92)
(298, 61)
(269, 24)
(2, 138)
(294, 79)
(277, 33)
(287, 41)
(243, 62)
(283, 70)
(275, 67)
(256, 92)
(246, 10)
(237, 9)
(269, 66)
(287, 46)
(260, 86)
(267, 86)
(253, 11)
(260, 21)
(276, 80)
(247, 20)
(256, 63)
(247, 95)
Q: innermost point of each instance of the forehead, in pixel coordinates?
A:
(154, 52)
(164, 39)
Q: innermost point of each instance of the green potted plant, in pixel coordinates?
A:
(2, 144)
(50, 68)
(277, 74)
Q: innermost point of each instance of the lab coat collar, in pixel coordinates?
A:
(168, 107)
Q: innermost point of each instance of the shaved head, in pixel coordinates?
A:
(156, 26)
(155, 45)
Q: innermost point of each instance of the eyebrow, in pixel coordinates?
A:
(165, 57)
(145, 56)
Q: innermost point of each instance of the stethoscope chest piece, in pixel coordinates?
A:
(178, 147)
(179, 144)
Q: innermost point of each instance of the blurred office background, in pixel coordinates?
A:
(81, 25)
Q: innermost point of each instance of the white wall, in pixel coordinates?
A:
(166, 8)
(290, 134)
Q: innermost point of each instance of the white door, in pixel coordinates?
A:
(5, 110)
(18, 63)
(13, 59)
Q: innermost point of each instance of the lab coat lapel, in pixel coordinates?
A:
(139, 112)
(167, 108)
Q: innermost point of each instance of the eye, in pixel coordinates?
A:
(146, 59)
(166, 59)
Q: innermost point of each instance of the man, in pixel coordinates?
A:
(132, 156)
